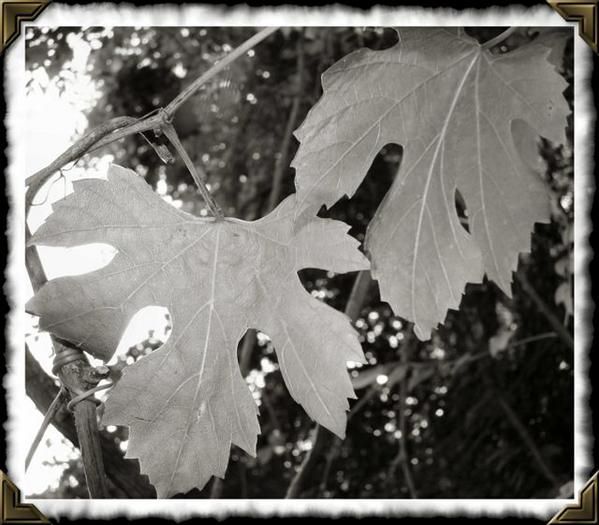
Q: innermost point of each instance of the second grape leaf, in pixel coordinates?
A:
(456, 109)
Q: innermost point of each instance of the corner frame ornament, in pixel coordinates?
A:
(585, 12)
(11, 16)
(12, 510)
(586, 510)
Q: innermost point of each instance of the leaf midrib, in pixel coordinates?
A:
(440, 140)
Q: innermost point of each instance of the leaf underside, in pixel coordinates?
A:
(187, 401)
(453, 108)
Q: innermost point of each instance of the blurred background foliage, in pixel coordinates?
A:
(484, 409)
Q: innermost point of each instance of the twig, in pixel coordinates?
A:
(402, 454)
(322, 62)
(271, 411)
(364, 399)
(281, 162)
(36, 181)
(243, 479)
(331, 457)
(532, 339)
(545, 310)
(140, 126)
(91, 449)
(358, 295)
(51, 412)
(176, 103)
(459, 362)
(308, 464)
(526, 438)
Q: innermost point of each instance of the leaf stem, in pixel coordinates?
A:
(200, 179)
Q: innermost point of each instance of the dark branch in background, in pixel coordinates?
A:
(281, 163)
(399, 372)
(520, 428)
(321, 436)
(403, 458)
(555, 323)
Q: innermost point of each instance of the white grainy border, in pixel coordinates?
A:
(164, 15)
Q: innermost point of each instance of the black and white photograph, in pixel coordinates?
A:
(342, 260)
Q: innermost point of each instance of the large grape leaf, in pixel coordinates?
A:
(451, 104)
(187, 402)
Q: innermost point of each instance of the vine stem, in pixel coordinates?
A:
(121, 127)
(176, 103)
(82, 146)
(123, 474)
